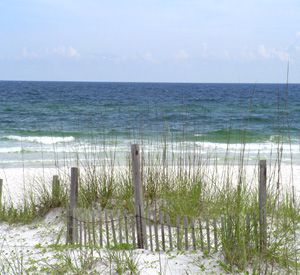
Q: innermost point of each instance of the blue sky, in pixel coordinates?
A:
(150, 40)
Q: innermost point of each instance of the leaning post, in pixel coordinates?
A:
(138, 196)
(263, 204)
(72, 223)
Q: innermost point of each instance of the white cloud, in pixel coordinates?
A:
(281, 55)
(182, 55)
(264, 52)
(73, 52)
(267, 53)
(298, 34)
(68, 52)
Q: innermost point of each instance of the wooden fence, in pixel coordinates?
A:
(155, 230)
(108, 228)
(118, 229)
(151, 230)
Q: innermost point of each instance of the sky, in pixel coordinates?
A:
(250, 41)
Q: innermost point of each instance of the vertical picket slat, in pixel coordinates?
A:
(169, 232)
(144, 231)
(100, 229)
(156, 231)
(84, 233)
(106, 228)
(88, 226)
(93, 226)
(178, 233)
(162, 226)
(150, 230)
(126, 226)
(113, 228)
(80, 233)
(215, 235)
(120, 227)
(208, 235)
(193, 233)
(255, 228)
(201, 235)
(133, 224)
(186, 237)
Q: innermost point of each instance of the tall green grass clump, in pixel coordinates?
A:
(184, 181)
(36, 203)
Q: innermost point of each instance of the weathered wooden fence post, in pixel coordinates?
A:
(1, 185)
(72, 223)
(263, 204)
(55, 190)
(138, 196)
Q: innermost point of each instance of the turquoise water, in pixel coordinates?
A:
(49, 121)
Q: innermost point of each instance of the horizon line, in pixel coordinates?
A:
(151, 82)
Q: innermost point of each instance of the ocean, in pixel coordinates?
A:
(49, 123)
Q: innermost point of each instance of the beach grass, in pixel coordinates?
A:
(184, 182)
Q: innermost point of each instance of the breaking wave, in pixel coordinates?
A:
(41, 139)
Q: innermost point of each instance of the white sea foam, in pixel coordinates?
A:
(43, 139)
(255, 147)
(65, 148)
(11, 150)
